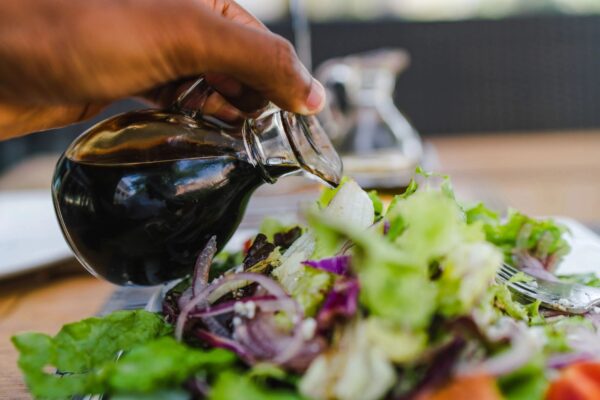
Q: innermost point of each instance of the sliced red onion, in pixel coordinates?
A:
(341, 301)
(268, 342)
(522, 349)
(264, 303)
(223, 343)
(540, 273)
(439, 370)
(534, 267)
(202, 267)
(583, 339)
(565, 359)
(201, 299)
(339, 265)
(197, 387)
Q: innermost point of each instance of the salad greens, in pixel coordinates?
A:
(363, 302)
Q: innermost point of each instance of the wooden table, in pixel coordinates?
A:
(543, 174)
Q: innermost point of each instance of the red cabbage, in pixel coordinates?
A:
(341, 302)
(339, 265)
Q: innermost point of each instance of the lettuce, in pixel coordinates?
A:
(231, 385)
(354, 370)
(466, 275)
(520, 235)
(306, 285)
(80, 348)
(377, 204)
(589, 279)
(329, 193)
(526, 383)
(85, 353)
(160, 364)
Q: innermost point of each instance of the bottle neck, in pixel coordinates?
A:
(279, 142)
(268, 147)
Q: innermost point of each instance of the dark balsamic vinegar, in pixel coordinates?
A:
(144, 223)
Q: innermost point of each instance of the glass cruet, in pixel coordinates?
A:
(140, 194)
(379, 147)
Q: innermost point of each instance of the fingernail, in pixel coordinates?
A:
(316, 98)
(229, 113)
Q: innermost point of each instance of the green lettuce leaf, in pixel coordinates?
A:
(86, 354)
(80, 348)
(526, 383)
(503, 299)
(160, 364)
(306, 285)
(394, 283)
(329, 193)
(270, 226)
(589, 279)
(231, 385)
(542, 239)
(377, 204)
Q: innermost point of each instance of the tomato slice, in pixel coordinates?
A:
(580, 381)
(468, 388)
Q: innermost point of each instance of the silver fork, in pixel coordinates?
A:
(568, 297)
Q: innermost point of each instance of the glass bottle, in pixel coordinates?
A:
(140, 194)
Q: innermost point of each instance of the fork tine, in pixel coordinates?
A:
(507, 272)
(505, 275)
(506, 267)
(510, 268)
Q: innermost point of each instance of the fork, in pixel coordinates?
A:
(572, 298)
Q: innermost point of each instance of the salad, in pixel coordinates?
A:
(364, 302)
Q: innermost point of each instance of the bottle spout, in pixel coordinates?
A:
(312, 147)
(281, 138)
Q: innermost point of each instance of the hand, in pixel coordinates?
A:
(62, 61)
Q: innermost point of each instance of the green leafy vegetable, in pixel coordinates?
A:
(271, 226)
(589, 279)
(306, 285)
(377, 204)
(504, 300)
(231, 385)
(80, 348)
(329, 193)
(160, 364)
(522, 235)
(173, 394)
(526, 383)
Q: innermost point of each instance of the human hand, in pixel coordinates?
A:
(63, 61)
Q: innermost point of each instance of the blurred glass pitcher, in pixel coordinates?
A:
(379, 147)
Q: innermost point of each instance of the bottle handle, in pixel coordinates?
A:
(191, 101)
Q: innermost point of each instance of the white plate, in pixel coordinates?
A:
(30, 237)
(584, 256)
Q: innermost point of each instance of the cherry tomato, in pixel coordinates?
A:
(580, 381)
(469, 388)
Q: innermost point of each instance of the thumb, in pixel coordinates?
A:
(267, 63)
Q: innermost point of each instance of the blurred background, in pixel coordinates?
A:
(477, 66)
